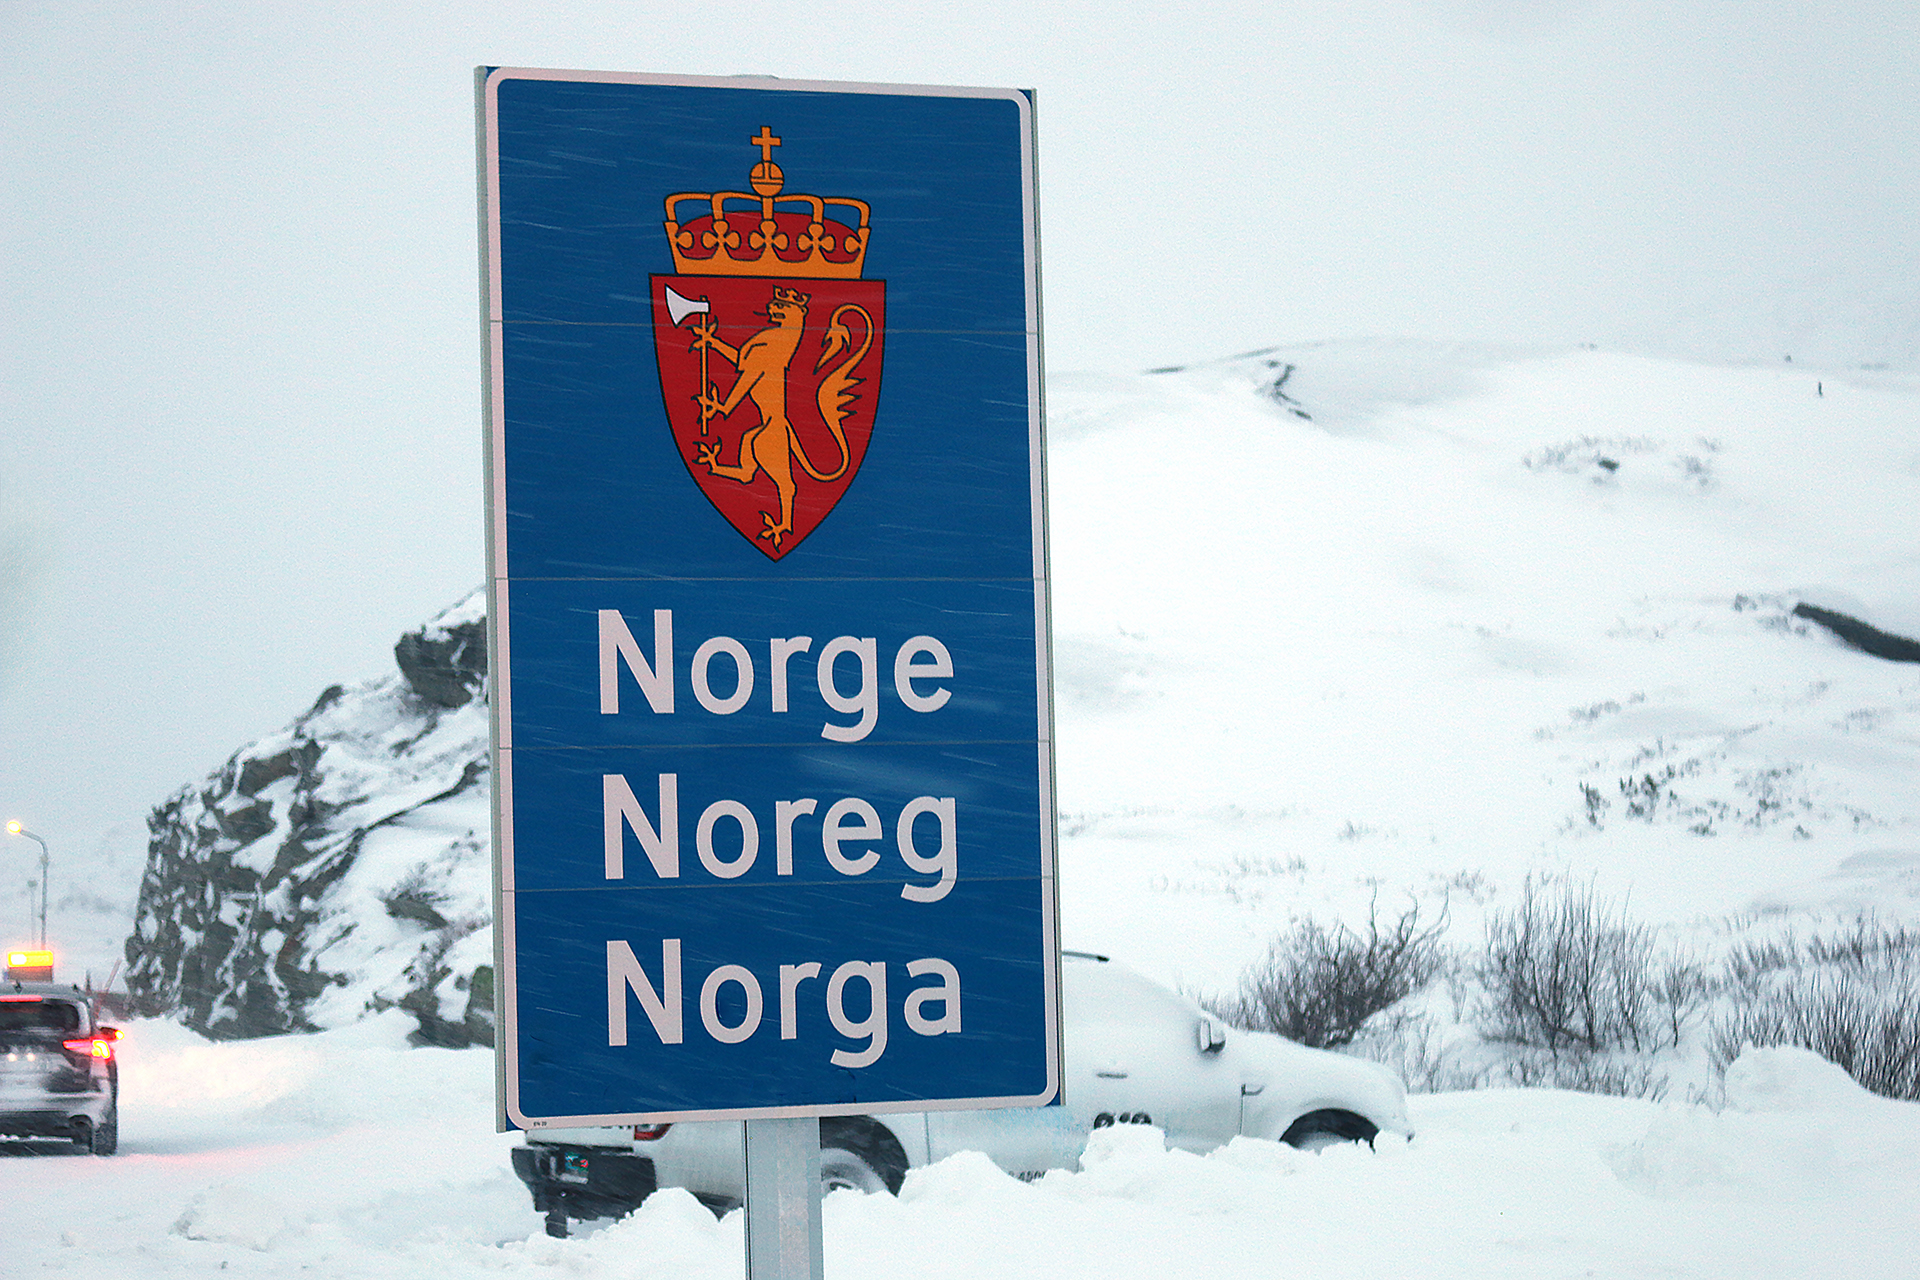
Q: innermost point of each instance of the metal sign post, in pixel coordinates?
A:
(783, 1199)
(773, 786)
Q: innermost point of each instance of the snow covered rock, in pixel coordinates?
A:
(337, 867)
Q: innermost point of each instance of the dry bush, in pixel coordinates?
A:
(1751, 960)
(1319, 986)
(1854, 999)
(1869, 944)
(1568, 970)
(1612, 1074)
(1412, 1046)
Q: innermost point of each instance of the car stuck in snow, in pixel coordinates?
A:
(1136, 1053)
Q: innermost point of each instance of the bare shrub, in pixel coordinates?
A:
(1411, 1045)
(1319, 986)
(1567, 970)
(1612, 1074)
(1751, 960)
(1851, 998)
(1869, 944)
(1682, 990)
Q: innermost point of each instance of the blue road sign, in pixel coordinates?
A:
(773, 749)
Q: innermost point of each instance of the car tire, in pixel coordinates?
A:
(105, 1138)
(860, 1156)
(1318, 1130)
(843, 1170)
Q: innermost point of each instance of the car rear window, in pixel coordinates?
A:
(39, 1015)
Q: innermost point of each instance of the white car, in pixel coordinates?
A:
(1136, 1053)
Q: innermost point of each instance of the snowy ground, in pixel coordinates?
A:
(1397, 645)
(345, 1154)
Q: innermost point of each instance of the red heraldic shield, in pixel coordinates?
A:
(770, 387)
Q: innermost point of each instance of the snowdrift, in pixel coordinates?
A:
(351, 1155)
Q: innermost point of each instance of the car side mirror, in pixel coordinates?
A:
(1210, 1036)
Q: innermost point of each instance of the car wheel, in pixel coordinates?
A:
(1318, 1130)
(842, 1170)
(105, 1139)
(860, 1156)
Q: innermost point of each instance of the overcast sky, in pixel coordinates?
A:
(239, 327)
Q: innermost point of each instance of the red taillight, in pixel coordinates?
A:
(94, 1047)
(649, 1132)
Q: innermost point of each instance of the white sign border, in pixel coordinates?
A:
(506, 1065)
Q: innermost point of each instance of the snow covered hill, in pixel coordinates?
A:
(1427, 620)
(1331, 621)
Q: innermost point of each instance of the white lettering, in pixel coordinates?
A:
(845, 832)
(617, 645)
(620, 809)
(663, 1007)
(782, 650)
(947, 993)
(784, 812)
(873, 1026)
(835, 828)
(743, 675)
(920, 659)
(710, 1003)
(944, 861)
(932, 1008)
(749, 839)
(865, 702)
(791, 976)
(906, 671)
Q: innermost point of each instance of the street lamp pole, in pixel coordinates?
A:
(15, 828)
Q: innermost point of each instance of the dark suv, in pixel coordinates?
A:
(59, 1077)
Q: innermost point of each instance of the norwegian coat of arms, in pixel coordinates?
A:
(771, 390)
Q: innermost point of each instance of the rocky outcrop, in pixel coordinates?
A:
(338, 867)
(445, 662)
(1862, 636)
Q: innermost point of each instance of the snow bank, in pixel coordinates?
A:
(349, 1155)
(1795, 1127)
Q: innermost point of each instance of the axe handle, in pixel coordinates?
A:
(706, 386)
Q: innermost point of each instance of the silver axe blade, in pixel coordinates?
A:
(680, 308)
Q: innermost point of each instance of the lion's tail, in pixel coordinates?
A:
(837, 394)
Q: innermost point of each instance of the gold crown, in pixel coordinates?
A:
(774, 235)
